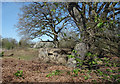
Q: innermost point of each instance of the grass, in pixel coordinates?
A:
(24, 54)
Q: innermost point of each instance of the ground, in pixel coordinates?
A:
(35, 71)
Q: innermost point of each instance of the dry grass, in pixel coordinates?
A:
(25, 54)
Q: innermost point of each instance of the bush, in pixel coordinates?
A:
(1, 54)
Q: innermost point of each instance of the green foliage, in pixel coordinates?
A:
(94, 60)
(65, 34)
(9, 43)
(100, 72)
(94, 81)
(108, 70)
(53, 10)
(57, 72)
(88, 54)
(118, 35)
(101, 29)
(71, 56)
(74, 51)
(56, 4)
(79, 62)
(108, 75)
(24, 43)
(97, 18)
(86, 77)
(91, 60)
(68, 72)
(1, 54)
(75, 71)
(99, 24)
(19, 73)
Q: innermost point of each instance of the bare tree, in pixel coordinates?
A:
(38, 19)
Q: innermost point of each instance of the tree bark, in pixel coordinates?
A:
(79, 19)
(56, 43)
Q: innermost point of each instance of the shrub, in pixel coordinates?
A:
(1, 54)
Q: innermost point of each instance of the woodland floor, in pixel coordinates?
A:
(35, 72)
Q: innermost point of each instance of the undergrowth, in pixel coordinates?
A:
(19, 74)
(93, 61)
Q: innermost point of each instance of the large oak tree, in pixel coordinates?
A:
(44, 18)
(98, 24)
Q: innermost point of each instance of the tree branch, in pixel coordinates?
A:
(101, 7)
(62, 19)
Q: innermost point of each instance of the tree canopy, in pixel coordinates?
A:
(44, 18)
(97, 22)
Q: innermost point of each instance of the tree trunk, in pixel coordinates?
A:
(79, 19)
(56, 43)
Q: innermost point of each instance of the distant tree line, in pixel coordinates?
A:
(10, 43)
